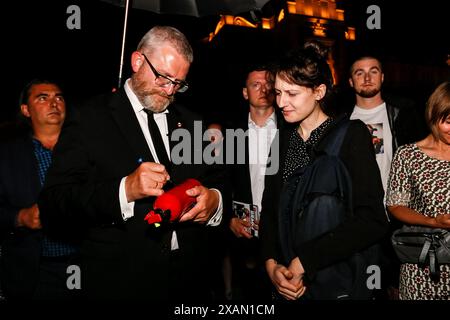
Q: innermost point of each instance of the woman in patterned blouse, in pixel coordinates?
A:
(419, 193)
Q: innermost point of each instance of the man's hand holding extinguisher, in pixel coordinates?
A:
(207, 203)
(149, 179)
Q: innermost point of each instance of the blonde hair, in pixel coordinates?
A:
(438, 107)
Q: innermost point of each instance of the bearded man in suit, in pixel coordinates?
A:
(111, 164)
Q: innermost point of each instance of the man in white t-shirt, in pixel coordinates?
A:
(393, 121)
(390, 129)
(366, 78)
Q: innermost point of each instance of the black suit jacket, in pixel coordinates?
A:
(242, 189)
(240, 173)
(243, 249)
(99, 146)
(19, 188)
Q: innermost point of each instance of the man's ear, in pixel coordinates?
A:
(245, 93)
(350, 82)
(136, 61)
(24, 110)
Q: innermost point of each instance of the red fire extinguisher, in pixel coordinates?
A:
(169, 206)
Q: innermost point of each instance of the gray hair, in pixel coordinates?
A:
(160, 35)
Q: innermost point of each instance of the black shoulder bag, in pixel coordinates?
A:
(424, 246)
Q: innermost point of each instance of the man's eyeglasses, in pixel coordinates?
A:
(164, 81)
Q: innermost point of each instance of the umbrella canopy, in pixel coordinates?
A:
(196, 8)
(185, 7)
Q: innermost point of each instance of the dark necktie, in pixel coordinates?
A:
(158, 142)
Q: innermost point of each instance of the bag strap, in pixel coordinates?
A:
(434, 261)
(428, 249)
(337, 136)
(444, 245)
(433, 265)
(425, 250)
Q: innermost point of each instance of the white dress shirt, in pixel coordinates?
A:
(127, 208)
(259, 142)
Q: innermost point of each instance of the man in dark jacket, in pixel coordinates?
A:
(249, 279)
(390, 127)
(34, 263)
(114, 158)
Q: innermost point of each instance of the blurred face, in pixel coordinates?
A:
(296, 102)
(443, 129)
(366, 77)
(166, 61)
(46, 106)
(259, 90)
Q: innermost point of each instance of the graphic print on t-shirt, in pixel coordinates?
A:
(376, 130)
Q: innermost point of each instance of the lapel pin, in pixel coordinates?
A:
(179, 125)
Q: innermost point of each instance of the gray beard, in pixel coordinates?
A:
(149, 103)
(147, 98)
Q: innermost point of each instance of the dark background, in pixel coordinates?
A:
(413, 42)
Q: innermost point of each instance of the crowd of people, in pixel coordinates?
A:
(76, 187)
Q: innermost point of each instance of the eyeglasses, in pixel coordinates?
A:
(164, 81)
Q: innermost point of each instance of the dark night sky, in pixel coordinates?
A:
(409, 31)
(35, 41)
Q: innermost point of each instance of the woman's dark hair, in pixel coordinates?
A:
(307, 67)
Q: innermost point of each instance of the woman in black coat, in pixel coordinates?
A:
(303, 82)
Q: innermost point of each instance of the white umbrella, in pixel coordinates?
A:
(195, 8)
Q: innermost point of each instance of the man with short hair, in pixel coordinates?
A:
(34, 263)
(390, 127)
(249, 279)
(114, 158)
